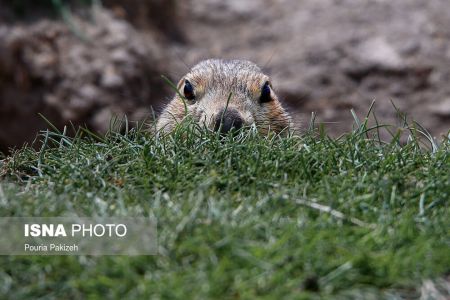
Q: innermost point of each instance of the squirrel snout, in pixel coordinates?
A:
(228, 119)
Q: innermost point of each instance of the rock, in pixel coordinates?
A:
(441, 109)
(378, 53)
(89, 92)
(102, 118)
(110, 78)
(121, 56)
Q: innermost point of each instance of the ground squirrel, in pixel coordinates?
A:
(226, 94)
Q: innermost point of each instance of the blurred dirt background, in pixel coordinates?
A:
(84, 61)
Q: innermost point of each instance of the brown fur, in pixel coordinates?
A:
(213, 81)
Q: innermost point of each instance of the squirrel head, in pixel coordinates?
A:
(230, 94)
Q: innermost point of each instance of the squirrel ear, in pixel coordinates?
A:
(180, 84)
(265, 93)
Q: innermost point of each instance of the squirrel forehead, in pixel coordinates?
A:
(227, 74)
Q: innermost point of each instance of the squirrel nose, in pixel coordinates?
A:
(228, 119)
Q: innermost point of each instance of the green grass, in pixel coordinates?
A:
(239, 217)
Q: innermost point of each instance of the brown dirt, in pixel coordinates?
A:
(330, 56)
(104, 68)
(325, 56)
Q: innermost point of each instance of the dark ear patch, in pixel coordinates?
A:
(265, 93)
(188, 90)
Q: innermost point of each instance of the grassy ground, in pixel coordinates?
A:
(243, 217)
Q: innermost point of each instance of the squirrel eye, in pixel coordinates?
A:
(188, 90)
(265, 93)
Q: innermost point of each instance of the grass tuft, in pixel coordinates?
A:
(241, 216)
